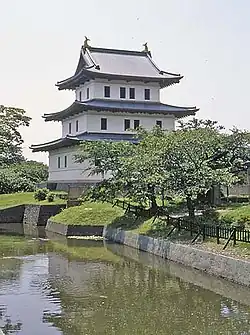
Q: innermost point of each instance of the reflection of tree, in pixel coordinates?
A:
(8, 326)
(130, 298)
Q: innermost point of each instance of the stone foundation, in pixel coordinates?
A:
(233, 269)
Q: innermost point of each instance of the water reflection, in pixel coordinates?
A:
(113, 290)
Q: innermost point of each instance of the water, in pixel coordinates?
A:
(86, 288)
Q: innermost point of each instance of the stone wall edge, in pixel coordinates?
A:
(235, 270)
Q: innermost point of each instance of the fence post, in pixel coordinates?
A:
(234, 236)
(218, 234)
(203, 232)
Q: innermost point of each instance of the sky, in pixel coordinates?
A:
(207, 41)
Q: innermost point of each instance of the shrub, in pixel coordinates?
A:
(41, 194)
(51, 197)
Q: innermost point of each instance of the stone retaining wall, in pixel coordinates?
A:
(196, 277)
(12, 214)
(36, 215)
(74, 230)
(222, 266)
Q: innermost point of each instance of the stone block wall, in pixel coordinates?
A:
(31, 214)
(12, 214)
(46, 211)
(36, 215)
(236, 270)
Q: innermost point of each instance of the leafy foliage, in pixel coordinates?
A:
(11, 119)
(51, 197)
(187, 162)
(22, 177)
(41, 194)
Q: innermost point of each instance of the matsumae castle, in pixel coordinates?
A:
(116, 91)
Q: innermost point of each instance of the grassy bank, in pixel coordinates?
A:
(24, 198)
(104, 214)
(89, 213)
(235, 213)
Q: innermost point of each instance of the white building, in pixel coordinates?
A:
(115, 90)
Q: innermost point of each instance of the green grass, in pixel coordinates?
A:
(89, 213)
(236, 213)
(24, 198)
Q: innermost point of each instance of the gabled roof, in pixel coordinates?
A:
(121, 106)
(86, 136)
(117, 64)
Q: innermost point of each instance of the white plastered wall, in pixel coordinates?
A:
(91, 121)
(115, 122)
(73, 172)
(96, 90)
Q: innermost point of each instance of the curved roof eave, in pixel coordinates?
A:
(68, 140)
(95, 104)
(86, 74)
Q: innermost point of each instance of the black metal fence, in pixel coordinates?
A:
(210, 230)
(235, 234)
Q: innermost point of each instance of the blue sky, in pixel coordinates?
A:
(206, 41)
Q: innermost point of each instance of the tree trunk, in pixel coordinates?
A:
(154, 207)
(190, 207)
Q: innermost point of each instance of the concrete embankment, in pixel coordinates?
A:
(233, 269)
(74, 230)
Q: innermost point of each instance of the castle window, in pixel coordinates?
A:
(65, 161)
(77, 126)
(59, 162)
(80, 96)
(126, 124)
(136, 124)
(88, 93)
(70, 128)
(131, 93)
(123, 92)
(147, 94)
(104, 124)
(107, 91)
(159, 124)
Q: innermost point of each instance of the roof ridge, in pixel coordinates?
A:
(119, 51)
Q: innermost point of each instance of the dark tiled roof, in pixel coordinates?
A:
(117, 64)
(86, 136)
(121, 106)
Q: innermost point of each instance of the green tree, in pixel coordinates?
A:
(132, 170)
(11, 119)
(189, 162)
(22, 176)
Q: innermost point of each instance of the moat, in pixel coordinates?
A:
(75, 287)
